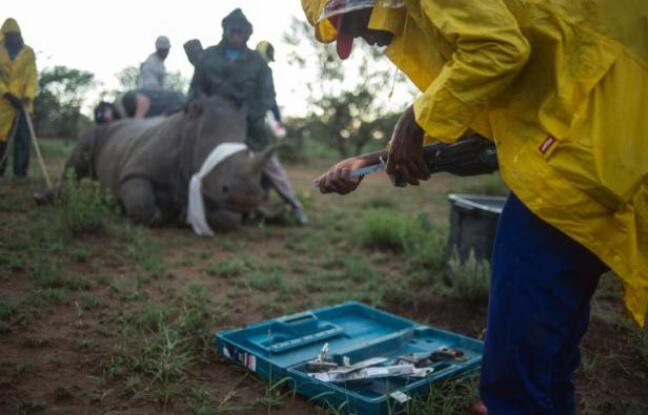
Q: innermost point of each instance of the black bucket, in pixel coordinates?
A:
(473, 223)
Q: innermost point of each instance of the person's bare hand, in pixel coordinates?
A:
(406, 164)
(338, 179)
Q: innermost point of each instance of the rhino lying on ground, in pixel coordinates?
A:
(148, 164)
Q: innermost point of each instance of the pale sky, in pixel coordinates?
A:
(104, 37)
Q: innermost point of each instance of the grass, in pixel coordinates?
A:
(419, 239)
(383, 229)
(88, 301)
(469, 280)
(229, 268)
(16, 313)
(86, 207)
(267, 280)
(158, 344)
(139, 306)
(202, 403)
(447, 398)
(34, 342)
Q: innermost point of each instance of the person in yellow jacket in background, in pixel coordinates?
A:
(18, 85)
(561, 87)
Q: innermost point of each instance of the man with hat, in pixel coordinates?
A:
(241, 75)
(152, 70)
(18, 86)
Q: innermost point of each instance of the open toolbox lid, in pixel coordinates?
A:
(280, 349)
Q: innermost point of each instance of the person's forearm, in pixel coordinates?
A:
(142, 106)
(373, 158)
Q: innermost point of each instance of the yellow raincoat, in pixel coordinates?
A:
(562, 87)
(18, 77)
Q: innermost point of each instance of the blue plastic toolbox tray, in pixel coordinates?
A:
(279, 350)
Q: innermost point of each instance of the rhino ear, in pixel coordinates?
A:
(261, 158)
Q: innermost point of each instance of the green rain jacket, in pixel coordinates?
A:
(246, 80)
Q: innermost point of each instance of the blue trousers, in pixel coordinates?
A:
(541, 287)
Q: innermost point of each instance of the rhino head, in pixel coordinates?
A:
(233, 187)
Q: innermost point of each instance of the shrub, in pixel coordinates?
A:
(270, 280)
(469, 280)
(382, 228)
(418, 238)
(85, 206)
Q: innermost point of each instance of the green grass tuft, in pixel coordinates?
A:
(86, 207)
(266, 280)
(469, 280)
(229, 268)
(419, 238)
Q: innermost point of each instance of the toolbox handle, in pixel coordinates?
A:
(298, 319)
(306, 340)
(309, 324)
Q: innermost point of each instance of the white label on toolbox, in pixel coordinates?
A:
(251, 363)
(400, 397)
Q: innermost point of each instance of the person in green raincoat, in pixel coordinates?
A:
(235, 72)
(239, 74)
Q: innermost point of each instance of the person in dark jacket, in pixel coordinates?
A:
(239, 74)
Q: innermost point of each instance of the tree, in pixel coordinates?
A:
(58, 103)
(347, 103)
(128, 78)
(175, 81)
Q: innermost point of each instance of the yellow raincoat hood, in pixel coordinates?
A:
(324, 30)
(561, 87)
(10, 25)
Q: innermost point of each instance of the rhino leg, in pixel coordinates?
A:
(138, 198)
(223, 220)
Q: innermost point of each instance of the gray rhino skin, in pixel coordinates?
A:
(147, 164)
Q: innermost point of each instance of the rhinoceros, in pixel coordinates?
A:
(148, 164)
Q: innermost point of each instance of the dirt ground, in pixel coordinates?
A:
(120, 320)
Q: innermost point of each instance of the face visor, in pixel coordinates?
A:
(385, 16)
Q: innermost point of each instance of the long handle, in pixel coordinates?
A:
(34, 140)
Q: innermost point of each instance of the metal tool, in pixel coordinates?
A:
(345, 370)
(469, 156)
(441, 354)
(369, 373)
(321, 365)
(446, 353)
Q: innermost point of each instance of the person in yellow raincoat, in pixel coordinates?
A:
(561, 87)
(18, 85)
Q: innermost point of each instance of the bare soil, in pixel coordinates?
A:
(57, 358)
